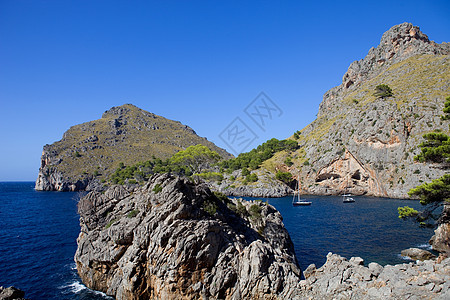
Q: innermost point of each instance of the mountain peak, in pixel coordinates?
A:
(120, 110)
(399, 43)
(92, 151)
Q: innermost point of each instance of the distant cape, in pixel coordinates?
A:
(90, 152)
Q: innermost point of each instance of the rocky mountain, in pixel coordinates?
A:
(88, 153)
(171, 239)
(364, 144)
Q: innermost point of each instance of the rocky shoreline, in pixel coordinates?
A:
(340, 278)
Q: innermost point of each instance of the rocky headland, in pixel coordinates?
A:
(171, 239)
(90, 152)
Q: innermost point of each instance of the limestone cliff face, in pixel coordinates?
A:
(88, 153)
(174, 240)
(397, 44)
(363, 144)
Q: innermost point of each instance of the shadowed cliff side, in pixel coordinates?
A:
(172, 239)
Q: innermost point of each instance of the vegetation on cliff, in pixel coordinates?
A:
(435, 149)
(191, 161)
(125, 135)
(254, 158)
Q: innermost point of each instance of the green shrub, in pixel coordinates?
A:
(435, 148)
(251, 178)
(211, 176)
(210, 207)
(133, 213)
(110, 223)
(285, 177)
(255, 157)
(221, 196)
(245, 172)
(255, 212)
(157, 188)
(383, 91)
(241, 209)
(288, 161)
(406, 211)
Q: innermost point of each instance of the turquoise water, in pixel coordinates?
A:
(38, 232)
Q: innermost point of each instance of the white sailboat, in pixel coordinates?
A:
(347, 198)
(298, 201)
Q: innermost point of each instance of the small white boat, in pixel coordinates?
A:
(347, 198)
(301, 203)
(298, 201)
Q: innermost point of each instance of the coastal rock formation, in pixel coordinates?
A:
(11, 293)
(171, 239)
(339, 278)
(364, 144)
(441, 238)
(418, 254)
(88, 153)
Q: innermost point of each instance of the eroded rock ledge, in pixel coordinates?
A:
(339, 278)
(171, 239)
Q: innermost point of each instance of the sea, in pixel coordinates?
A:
(38, 232)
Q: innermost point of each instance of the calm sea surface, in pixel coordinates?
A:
(38, 232)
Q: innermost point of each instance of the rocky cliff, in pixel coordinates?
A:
(171, 239)
(364, 144)
(88, 153)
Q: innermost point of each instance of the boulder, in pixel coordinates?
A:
(418, 254)
(11, 293)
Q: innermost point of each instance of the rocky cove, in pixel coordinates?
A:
(173, 239)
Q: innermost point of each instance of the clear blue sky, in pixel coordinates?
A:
(199, 62)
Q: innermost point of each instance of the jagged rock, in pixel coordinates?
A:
(11, 293)
(342, 279)
(418, 254)
(183, 242)
(441, 238)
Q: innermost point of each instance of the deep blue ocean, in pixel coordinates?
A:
(38, 232)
